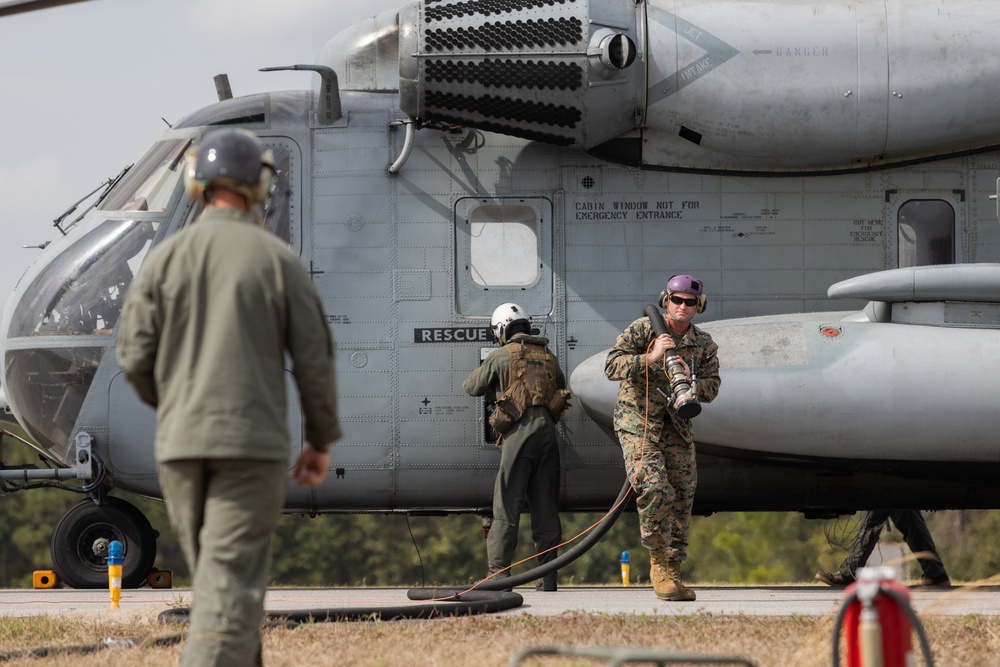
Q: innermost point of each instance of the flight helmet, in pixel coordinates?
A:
(233, 159)
(682, 282)
(503, 317)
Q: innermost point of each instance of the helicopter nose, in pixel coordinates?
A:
(59, 322)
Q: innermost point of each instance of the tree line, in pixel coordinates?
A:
(396, 550)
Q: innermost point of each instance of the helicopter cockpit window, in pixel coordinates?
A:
(80, 292)
(277, 210)
(151, 182)
(926, 233)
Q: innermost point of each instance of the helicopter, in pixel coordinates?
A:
(826, 169)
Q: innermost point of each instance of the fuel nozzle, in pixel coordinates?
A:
(683, 390)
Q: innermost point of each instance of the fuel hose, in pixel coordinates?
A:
(538, 572)
(486, 597)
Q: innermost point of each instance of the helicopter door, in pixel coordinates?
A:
(503, 253)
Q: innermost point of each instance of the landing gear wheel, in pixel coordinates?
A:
(81, 539)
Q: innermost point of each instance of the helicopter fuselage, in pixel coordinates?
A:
(433, 193)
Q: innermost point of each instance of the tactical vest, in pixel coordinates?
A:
(531, 380)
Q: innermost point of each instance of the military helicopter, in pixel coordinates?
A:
(826, 168)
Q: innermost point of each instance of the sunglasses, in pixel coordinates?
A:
(690, 303)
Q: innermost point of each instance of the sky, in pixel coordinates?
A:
(85, 89)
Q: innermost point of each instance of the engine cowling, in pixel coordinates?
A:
(566, 72)
(703, 85)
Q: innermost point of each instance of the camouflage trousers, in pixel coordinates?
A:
(664, 477)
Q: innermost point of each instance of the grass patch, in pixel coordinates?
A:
(492, 640)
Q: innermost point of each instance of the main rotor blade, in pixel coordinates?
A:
(23, 6)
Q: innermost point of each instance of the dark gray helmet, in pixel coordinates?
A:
(233, 159)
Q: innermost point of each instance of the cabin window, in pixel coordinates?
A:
(926, 231)
(503, 253)
(80, 292)
(503, 245)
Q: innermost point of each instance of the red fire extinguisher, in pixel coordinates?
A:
(876, 622)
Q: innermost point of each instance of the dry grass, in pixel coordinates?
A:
(492, 640)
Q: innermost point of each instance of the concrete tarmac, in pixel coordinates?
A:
(805, 600)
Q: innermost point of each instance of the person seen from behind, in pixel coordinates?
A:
(524, 379)
(206, 328)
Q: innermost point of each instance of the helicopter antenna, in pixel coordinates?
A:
(222, 87)
(329, 110)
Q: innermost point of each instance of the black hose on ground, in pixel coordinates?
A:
(485, 597)
(535, 573)
(471, 604)
(86, 649)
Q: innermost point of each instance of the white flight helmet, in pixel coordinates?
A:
(504, 316)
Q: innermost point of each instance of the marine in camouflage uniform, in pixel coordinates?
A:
(657, 444)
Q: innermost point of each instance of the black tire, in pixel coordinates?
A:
(84, 524)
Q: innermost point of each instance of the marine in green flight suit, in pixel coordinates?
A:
(204, 334)
(529, 454)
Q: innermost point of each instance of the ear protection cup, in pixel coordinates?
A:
(260, 192)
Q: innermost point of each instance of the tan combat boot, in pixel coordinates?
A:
(666, 577)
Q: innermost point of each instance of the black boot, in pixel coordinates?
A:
(547, 583)
(835, 579)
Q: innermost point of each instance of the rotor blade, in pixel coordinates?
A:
(23, 6)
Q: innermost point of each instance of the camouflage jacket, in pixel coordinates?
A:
(627, 362)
